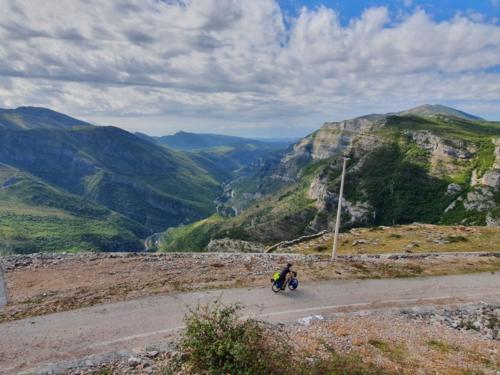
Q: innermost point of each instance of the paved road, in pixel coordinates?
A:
(125, 325)
(3, 292)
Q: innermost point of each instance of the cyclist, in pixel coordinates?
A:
(285, 276)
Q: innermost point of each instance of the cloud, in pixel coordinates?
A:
(238, 61)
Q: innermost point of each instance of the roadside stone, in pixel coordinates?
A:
(134, 361)
(152, 354)
(359, 242)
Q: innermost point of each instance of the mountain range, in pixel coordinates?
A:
(66, 185)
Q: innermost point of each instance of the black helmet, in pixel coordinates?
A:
(289, 264)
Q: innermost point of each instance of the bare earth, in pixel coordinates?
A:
(42, 284)
(69, 335)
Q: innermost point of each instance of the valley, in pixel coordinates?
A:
(66, 185)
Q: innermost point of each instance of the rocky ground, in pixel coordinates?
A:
(42, 283)
(398, 342)
(483, 318)
(416, 341)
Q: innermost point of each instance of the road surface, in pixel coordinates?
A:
(126, 325)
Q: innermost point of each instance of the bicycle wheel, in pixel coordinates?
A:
(293, 284)
(275, 288)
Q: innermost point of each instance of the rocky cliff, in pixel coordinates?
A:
(430, 164)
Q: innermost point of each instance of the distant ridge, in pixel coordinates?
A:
(202, 141)
(23, 118)
(437, 109)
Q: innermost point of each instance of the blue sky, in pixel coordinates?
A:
(258, 68)
(439, 9)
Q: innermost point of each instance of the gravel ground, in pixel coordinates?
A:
(398, 342)
(483, 318)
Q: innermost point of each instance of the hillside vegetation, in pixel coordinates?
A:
(66, 185)
(37, 217)
(421, 165)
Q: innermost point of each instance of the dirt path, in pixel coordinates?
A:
(69, 335)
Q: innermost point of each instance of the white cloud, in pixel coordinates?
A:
(237, 62)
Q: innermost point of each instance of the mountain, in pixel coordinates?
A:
(35, 216)
(152, 185)
(23, 118)
(439, 110)
(429, 164)
(126, 187)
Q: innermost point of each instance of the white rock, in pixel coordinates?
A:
(306, 321)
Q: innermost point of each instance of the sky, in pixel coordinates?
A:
(257, 68)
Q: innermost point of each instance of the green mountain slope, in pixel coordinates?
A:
(156, 187)
(406, 167)
(37, 217)
(68, 185)
(35, 117)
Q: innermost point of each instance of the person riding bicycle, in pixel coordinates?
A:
(285, 276)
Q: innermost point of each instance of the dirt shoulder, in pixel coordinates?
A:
(43, 283)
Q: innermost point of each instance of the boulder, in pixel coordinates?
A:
(481, 199)
(492, 178)
(453, 189)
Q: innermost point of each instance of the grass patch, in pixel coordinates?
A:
(395, 353)
(455, 239)
(442, 346)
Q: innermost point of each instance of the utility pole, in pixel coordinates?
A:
(339, 210)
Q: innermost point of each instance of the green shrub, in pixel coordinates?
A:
(217, 341)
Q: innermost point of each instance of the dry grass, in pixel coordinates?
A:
(415, 238)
